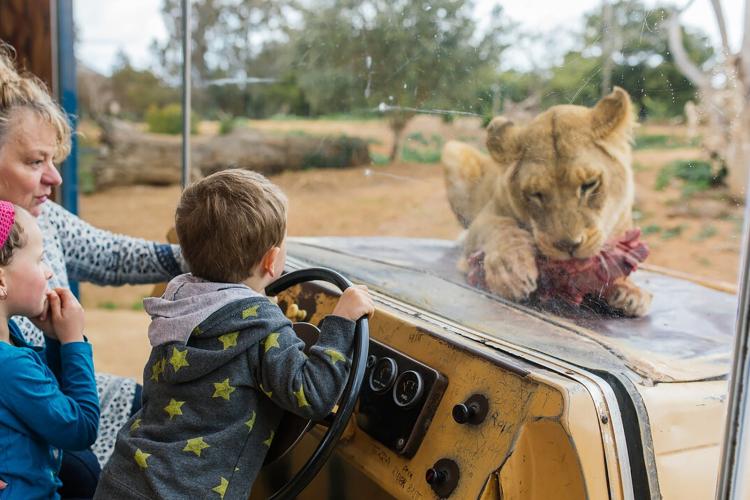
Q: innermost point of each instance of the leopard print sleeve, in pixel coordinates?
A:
(105, 258)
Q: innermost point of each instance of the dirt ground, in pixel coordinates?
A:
(699, 235)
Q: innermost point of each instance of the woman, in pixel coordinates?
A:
(34, 135)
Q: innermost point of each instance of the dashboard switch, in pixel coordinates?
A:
(443, 477)
(473, 411)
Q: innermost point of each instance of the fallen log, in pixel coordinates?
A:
(130, 156)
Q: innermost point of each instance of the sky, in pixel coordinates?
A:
(107, 27)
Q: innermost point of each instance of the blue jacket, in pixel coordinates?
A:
(48, 402)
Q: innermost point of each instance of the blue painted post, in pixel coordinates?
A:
(68, 96)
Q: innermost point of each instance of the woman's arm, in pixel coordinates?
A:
(106, 258)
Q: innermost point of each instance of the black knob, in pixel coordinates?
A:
(472, 411)
(434, 476)
(462, 412)
(443, 477)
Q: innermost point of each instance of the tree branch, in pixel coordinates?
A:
(681, 58)
(744, 53)
(721, 22)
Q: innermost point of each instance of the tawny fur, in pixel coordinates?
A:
(561, 185)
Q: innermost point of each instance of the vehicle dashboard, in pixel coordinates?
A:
(442, 416)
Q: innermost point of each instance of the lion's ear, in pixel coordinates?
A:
(502, 142)
(611, 114)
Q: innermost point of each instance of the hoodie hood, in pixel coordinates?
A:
(186, 303)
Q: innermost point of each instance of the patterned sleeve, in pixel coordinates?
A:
(306, 385)
(105, 258)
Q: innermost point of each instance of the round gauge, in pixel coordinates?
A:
(408, 389)
(383, 374)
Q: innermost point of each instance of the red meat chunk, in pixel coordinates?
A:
(572, 280)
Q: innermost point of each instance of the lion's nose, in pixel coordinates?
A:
(568, 246)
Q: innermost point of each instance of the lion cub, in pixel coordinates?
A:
(561, 185)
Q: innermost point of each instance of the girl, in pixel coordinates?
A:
(49, 400)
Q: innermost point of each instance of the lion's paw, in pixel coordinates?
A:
(629, 298)
(512, 275)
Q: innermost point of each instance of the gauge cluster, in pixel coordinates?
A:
(398, 398)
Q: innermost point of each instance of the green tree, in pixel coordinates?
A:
(138, 90)
(396, 55)
(641, 61)
(233, 43)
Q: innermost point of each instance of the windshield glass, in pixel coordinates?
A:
(350, 105)
(567, 152)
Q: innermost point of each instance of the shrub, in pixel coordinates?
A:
(661, 141)
(227, 123)
(168, 120)
(697, 175)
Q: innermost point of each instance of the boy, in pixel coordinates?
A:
(225, 362)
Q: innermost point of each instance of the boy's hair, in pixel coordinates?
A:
(227, 222)
(16, 239)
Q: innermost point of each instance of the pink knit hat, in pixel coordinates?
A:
(7, 218)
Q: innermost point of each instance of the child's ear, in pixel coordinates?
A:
(268, 263)
(3, 285)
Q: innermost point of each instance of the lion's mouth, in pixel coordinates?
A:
(568, 249)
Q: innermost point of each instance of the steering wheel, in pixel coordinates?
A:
(348, 397)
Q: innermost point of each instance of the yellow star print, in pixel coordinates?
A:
(157, 369)
(250, 312)
(221, 489)
(197, 330)
(196, 445)
(267, 393)
(335, 356)
(250, 423)
(135, 425)
(229, 339)
(179, 359)
(141, 457)
(301, 399)
(174, 408)
(223, 389)
(268, 441)
(271, 341)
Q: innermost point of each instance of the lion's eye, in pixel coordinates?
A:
(589, 186)
(536, 196)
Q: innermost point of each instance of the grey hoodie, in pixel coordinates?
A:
(224, 366)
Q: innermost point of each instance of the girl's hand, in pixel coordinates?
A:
(67, 316)
(44, 320)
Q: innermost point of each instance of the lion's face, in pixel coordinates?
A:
(567, 175)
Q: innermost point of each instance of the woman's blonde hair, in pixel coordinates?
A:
(24, 90)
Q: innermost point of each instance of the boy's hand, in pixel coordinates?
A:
(354, 303)
(67, 316)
